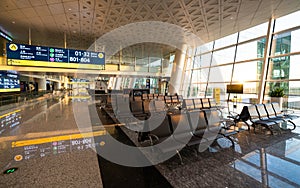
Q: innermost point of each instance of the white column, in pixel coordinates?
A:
(118, 83)
(41, 84)
(177, 70)
(131, 82)
(264, 71)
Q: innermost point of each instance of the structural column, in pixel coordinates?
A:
(178, 68)
(264, 72)
(42, 84)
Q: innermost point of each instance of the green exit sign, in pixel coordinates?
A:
(10, 171)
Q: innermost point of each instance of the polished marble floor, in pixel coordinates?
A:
(43, 141)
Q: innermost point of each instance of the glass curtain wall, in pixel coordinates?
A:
(239, 58)
(234, 59)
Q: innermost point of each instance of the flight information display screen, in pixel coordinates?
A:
(29, 55)
(9, 81)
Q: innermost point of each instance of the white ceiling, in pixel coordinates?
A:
(87, 20)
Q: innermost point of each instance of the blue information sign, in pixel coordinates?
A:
(29, 55)
(86, 57)
(9, 81)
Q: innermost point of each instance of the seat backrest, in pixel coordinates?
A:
(188, 104)
(205, 103)
(262, 111)
(150, 96)
(270, 110)
(213, 119)
(161, 97)
(180, 98)
(197, 120)
(155, 95)
(179, 123)
(146, 106)
(137, 98)
(124, 106)
(175, 99)
(163, 130)
(136, 107)
(159, 105)
(145, 96)
(276, 108)
(253, 113)
(212, 103)
(198, 103)
(168, 99)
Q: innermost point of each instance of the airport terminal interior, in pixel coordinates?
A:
(150, 93)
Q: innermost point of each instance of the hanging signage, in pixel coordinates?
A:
(4, 35)
(40, 56)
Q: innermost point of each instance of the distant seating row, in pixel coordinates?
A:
(199, 103)
(267, 115)
(169, 99)
(122, 106)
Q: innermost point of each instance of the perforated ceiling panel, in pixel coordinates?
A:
(86, 20)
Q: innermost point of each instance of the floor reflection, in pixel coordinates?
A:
(275, 166)
(17, 151)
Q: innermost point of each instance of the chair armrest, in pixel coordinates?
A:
(287, 112)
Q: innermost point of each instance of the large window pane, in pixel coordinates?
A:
(197, 90)
(220, 74)
(251, 50)
(212, 87)
(287, 21)
(226, 41)
(254, 32)
(126, 68)
(250, 88)
(291, 90)
(205, 48)
(284, 68)
(196, 61)
(253, 70)
(294, 67)
(287, 42)
(202, 60)
(200, 75)
(223, 56)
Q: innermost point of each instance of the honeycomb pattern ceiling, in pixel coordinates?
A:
(84, 21)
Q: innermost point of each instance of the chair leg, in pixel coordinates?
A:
(179, 155)
(292, 124)
(232, 142)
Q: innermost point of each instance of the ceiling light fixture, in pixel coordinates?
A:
(13, 22)
(69, 9)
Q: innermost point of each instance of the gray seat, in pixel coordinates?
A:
(263, 115)
(254, 118)
(279, 112)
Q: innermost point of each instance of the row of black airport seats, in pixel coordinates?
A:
(169, 99)
(184, 129)
(199, 103)
(123, 107)
(267, 115)
(142, 108)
